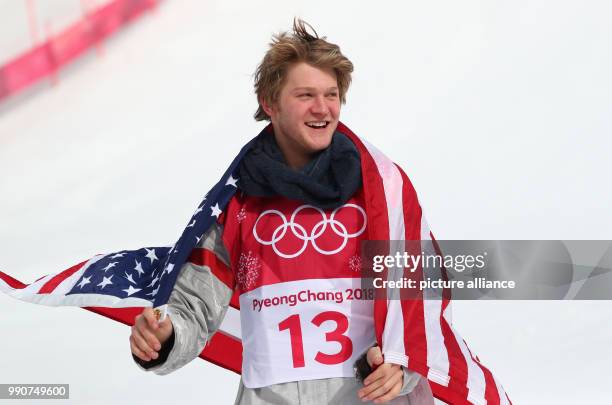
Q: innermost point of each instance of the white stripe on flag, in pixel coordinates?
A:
(393, 337)
(58, 298)
(503, 400)
(65, 286)
(437, 355)
(231, 323)
(476, 383)
(30, 289)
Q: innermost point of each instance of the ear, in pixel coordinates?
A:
(268, 108)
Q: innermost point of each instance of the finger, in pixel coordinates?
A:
(142, 344)
(374, 356)
(138, 320)
(364, 393)
(393, 393)
(137, 352)
(380, 376)
(141, 322)
(151, 339)
(377, 374)
(372, 385)
(150, 317)
(385, 387)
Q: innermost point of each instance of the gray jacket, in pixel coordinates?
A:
(197, 306)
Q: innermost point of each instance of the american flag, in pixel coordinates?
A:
(129, 278)
(416, 333)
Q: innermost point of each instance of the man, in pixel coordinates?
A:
(285, 243)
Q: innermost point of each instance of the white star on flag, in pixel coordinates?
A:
(231, 181)
(129, 278)
(155, 280)
(131, 290)
(118, 255)
(138, 268)
(105, 281)
(84, 280)
(215, 210)
(154, 292)
(109, 266)
(169, 268)
(151, 255)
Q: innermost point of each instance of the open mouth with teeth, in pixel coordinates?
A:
(317, 124)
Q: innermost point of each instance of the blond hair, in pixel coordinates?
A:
(300, 46)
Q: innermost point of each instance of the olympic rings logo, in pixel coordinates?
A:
(300, 232)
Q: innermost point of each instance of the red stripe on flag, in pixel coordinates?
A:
(222, 350)
(123, 315)
(457, 369)
(225, 351)
(415, 341)
(13, 282)
(378, 218)
(447, 395)
(446, 293)
(491, 394)
(235, 300)
(412, 210)
(374, 191)
(52, 284)
(413, 309)
(204, 257)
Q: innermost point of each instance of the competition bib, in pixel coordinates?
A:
(303, 312)
(303, 330)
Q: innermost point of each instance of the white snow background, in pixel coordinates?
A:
(500, 112)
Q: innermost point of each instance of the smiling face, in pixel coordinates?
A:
(306, 113)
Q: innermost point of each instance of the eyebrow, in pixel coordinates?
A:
(312, 89)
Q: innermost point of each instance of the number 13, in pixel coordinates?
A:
(337, 335)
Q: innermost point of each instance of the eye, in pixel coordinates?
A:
(333, 94)
(304, 95)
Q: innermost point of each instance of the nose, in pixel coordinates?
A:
(319, 106)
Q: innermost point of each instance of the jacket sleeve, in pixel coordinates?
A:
(197, 305)
(411, 379)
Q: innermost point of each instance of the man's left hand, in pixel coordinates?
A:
(385, 382)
